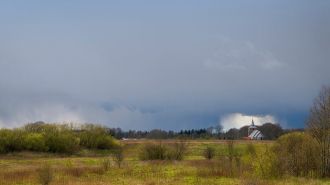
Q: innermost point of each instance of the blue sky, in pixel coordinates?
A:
(162, 64)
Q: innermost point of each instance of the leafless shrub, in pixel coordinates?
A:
(163, 152)
(209, 152)
(153, 152)
(118, 156)
(176, 151)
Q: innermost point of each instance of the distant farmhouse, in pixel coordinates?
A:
(254, 133)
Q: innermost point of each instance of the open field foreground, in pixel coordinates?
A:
(98, 168)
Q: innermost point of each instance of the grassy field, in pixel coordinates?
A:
(97, 167)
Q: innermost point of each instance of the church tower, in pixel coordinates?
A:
(251, 128)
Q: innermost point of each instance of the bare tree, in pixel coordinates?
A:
(118, 156)
(319, 126)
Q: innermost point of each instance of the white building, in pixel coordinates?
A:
(253, 133)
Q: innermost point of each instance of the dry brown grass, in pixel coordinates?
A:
(80, 171)
(16, 175)
(253, 181)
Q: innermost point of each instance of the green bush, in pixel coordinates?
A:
(62, 142)
(293, 154)
(96, 137)
(266, 164)
(11, 140)
(5, 136)
(35, 142)
(57, 138)
(105, 142)
(298, 154)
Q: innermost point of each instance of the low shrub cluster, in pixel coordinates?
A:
(56, 138)
(293, 154)
(163, 152)
(297, 154)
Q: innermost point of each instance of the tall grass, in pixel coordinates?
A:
(45, 174)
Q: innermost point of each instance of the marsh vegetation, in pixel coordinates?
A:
(234, 162)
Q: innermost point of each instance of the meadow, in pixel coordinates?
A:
(98, 167)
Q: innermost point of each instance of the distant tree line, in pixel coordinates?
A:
(68, 138)
(269, 130)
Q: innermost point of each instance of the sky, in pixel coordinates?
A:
(162, 64)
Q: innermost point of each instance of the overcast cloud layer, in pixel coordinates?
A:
(164, 64)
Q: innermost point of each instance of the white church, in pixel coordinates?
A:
(253, 133)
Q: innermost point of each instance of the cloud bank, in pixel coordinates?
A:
(64, 61)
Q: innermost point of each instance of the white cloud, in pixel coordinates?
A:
(237, 120)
